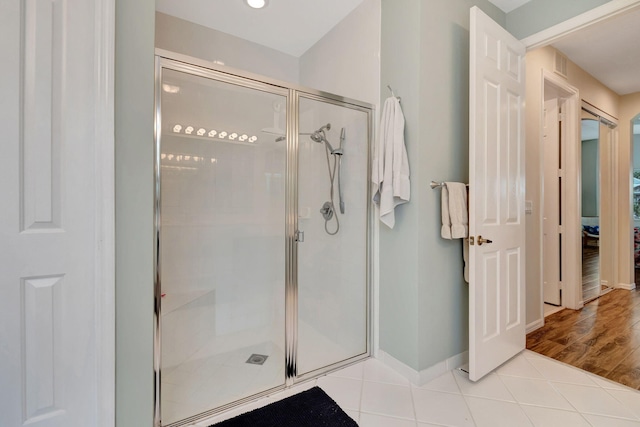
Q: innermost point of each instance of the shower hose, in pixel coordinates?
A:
(332, 175)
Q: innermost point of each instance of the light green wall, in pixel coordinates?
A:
(134, 80)
(423, 297)
(400, 68)
(538, 15)
(180, 36)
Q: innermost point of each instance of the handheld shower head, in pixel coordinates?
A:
(319, 135)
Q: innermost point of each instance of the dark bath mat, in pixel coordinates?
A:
(311, 408)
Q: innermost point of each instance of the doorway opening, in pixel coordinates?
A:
(635, 196)
(559, 199)
(598, 206)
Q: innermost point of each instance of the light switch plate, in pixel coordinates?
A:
(528, 207)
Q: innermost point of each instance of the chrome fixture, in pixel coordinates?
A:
(328, 209)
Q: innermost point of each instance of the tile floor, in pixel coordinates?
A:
(529, 390)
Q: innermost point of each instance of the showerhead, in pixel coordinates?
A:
(318, 136)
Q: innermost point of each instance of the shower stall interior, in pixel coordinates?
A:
(263, 224)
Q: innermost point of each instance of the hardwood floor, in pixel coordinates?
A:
(602, 338)
(590, 272)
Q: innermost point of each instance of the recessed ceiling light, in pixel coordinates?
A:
(257, 4)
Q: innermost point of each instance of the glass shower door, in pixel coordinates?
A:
(333, 200)
(221, 220)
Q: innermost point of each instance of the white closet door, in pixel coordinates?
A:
(50, 229)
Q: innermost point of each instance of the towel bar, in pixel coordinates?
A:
(435, 184)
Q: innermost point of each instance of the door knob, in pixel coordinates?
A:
(481, 241)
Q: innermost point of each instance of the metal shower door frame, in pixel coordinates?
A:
(194, 66)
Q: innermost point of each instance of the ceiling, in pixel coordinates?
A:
(607, 50)
(508, 5)
(290, 26)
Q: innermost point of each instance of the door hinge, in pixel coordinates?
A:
(560, 173)
(560, 229)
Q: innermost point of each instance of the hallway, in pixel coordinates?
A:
(602, 338)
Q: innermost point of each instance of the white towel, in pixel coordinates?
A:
(390, 174)
(455, 220)
(458, 210)
(445, 232)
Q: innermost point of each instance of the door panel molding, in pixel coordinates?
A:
(496, 196)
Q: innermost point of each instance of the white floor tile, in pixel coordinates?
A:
(372, 420)
(344, 391)
(376, 371)
(600, 421)
(375, 396)
(535, 392)
(441, 408)
(547, 417)
(559, 372)
(519, 366)
(593, 400)
(629, 399)
(490, 387)
(355, 415)
(353, 371)
(445, 383)
(532, 355)
(609, 385)
(387, 399)
(495, 413)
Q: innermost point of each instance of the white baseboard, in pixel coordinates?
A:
(626, 286)
(535, 325)
(420, 378)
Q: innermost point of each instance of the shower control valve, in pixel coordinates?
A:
(327, 211)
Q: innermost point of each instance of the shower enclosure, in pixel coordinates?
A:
(262, 223)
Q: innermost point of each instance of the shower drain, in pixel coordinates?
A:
(257, 359)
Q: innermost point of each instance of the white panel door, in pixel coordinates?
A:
(496, 185)
(551, 211)
(50, 355)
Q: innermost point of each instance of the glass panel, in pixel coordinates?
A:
(222, 253)
(332, 260)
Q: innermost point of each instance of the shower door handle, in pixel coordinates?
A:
(299, 236)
